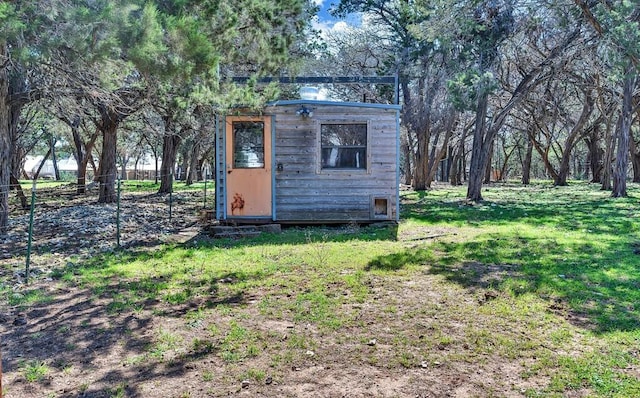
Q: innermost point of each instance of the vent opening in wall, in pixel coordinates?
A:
(380, 207)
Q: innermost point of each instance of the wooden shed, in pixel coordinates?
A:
(308, 161)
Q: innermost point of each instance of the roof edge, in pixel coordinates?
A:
(335, 103)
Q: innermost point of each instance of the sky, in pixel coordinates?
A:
(324, 5)
(325, 22)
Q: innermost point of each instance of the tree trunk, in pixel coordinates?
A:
(80, 157)
(488, 166)
(202, 171)
(563, 170)
(457, 163)
(635, 160)
(170, 145)
(526, 163)
(155, 169)
(624, 135)
(479, 150)
(54, 158)
(192, 172)
(5, 142)
(36, 175)
(406, 159)
(82, 166)
(108, 169)
(123, 170)
(421, 166)
(594, 155)
(17, 167)
(483, 135)
(15, 184)
(610, 144)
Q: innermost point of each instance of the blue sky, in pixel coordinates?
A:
(326, 23)
(323, 14)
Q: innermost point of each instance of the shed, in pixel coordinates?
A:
(308, 161)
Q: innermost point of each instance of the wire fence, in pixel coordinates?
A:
(60, 225)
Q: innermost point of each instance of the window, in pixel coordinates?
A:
(248, 145)
(343, 146)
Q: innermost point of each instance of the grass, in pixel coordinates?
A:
(35, 371)
(543, 279)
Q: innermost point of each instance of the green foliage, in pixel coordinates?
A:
(620, 23)
(10, 21)
(465, 87)
(147, 42)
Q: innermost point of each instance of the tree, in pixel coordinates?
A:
(403, 35)
(618, 25)
(492, 25)
(557, 131)
(250, 37)
(5, 138)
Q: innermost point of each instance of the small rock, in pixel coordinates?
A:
(424, 364)
(310, 353)
(268, 380)
(372, 342)
(245, 383)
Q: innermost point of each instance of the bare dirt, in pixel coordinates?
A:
(88, 351)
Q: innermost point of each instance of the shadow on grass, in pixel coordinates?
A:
(397, 261)
(567, 208)
(79, 327)
(593, 289)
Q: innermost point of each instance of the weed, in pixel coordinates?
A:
(319, 249)
(254, 374)
(119, 391)
(28, 298)
(406, 359)
(207, 376)
(165, 341)
(203, 346)
(35, 371)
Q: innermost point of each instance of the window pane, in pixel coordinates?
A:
(343, 146)
(248, 145)
(344, 134)
(344, 158)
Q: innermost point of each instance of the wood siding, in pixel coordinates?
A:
(304, 192)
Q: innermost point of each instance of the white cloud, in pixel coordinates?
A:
(318, 2)
(327, 28)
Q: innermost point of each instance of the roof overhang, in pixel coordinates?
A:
(335, 103)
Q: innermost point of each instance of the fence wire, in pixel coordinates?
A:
(61, 226)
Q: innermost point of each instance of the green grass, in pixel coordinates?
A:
(35, 371)
(544, 278)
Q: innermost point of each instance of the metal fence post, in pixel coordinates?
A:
(30, 238)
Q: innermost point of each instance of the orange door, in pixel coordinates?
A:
(248, 166)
